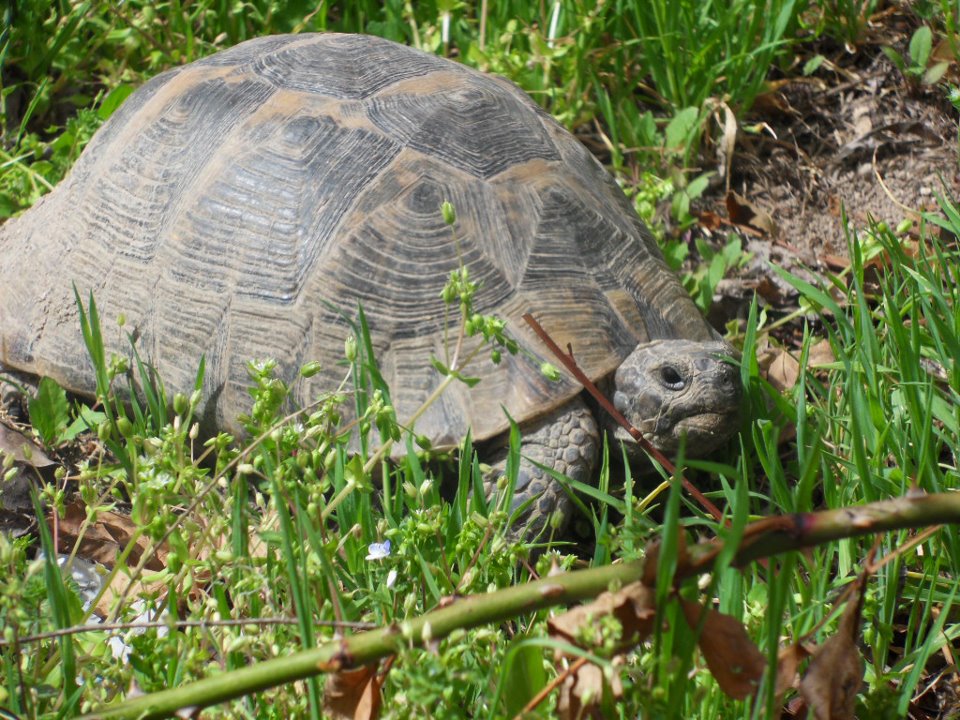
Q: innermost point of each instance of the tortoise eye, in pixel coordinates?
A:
(671, 378)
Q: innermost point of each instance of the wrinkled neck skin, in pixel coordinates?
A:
(676, 391)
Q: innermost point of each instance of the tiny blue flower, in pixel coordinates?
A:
(378, 551)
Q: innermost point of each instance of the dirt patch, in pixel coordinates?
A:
(873, 145)
(868, 144)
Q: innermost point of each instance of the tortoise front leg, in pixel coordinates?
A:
(566, 440)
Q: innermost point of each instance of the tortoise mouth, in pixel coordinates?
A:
(701, 434)
(704, 432)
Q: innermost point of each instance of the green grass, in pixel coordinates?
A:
(280, 527)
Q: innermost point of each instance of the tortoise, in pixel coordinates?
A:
(236, 207)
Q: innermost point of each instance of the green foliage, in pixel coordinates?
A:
(34, 166)
(523, 674)
(883, 421)
(715, 265)
(295, 523)
(916, 64)
(699, 53)
(291, 525)
(702, 281)
(48, 411)
(846, 20)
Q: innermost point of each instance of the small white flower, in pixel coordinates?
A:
(391, 579)
(378, 551)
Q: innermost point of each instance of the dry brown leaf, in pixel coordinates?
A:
(353, 694)
(833, 678)
(835, 262)
(795, 709)
(103, 539)
(632, 605)
(582, 693)
(742, 212)
(710, 220)
(771, 292)
(820, 354)
(731, 656)
(779, 368)
(120, 586)
(728, 144)
(782, 369)
(944, 52)
(788, 663)
(13, 442)
(771, 104)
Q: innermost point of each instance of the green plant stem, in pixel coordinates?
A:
(363, 648)
(384, 450)
(34, 176)
(765, 538)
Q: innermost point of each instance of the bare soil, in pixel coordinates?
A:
(825, 158)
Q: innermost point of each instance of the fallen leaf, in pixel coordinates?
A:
(585, 692)
(773, 102)
(105, 538)
(788, 664)
(727, 144)
(779, 368)
(833, 678)
(188, 713)
(835, 262)
(353, 694)
(24, 449)
(121, 586)
(102, 541)
(820, 354)
(795, 709)
(710, 220)
(771, 292)
(652, 565)
(935, 369)
(731, 656)
(944, 52)
(632, 606)
(744, 213)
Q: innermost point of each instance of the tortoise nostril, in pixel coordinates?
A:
(671, 378)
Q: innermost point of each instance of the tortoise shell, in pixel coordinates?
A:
(241, 206)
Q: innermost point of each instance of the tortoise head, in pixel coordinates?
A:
(671, 388)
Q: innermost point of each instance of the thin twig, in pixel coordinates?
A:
(549, 688)
(180, 624)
